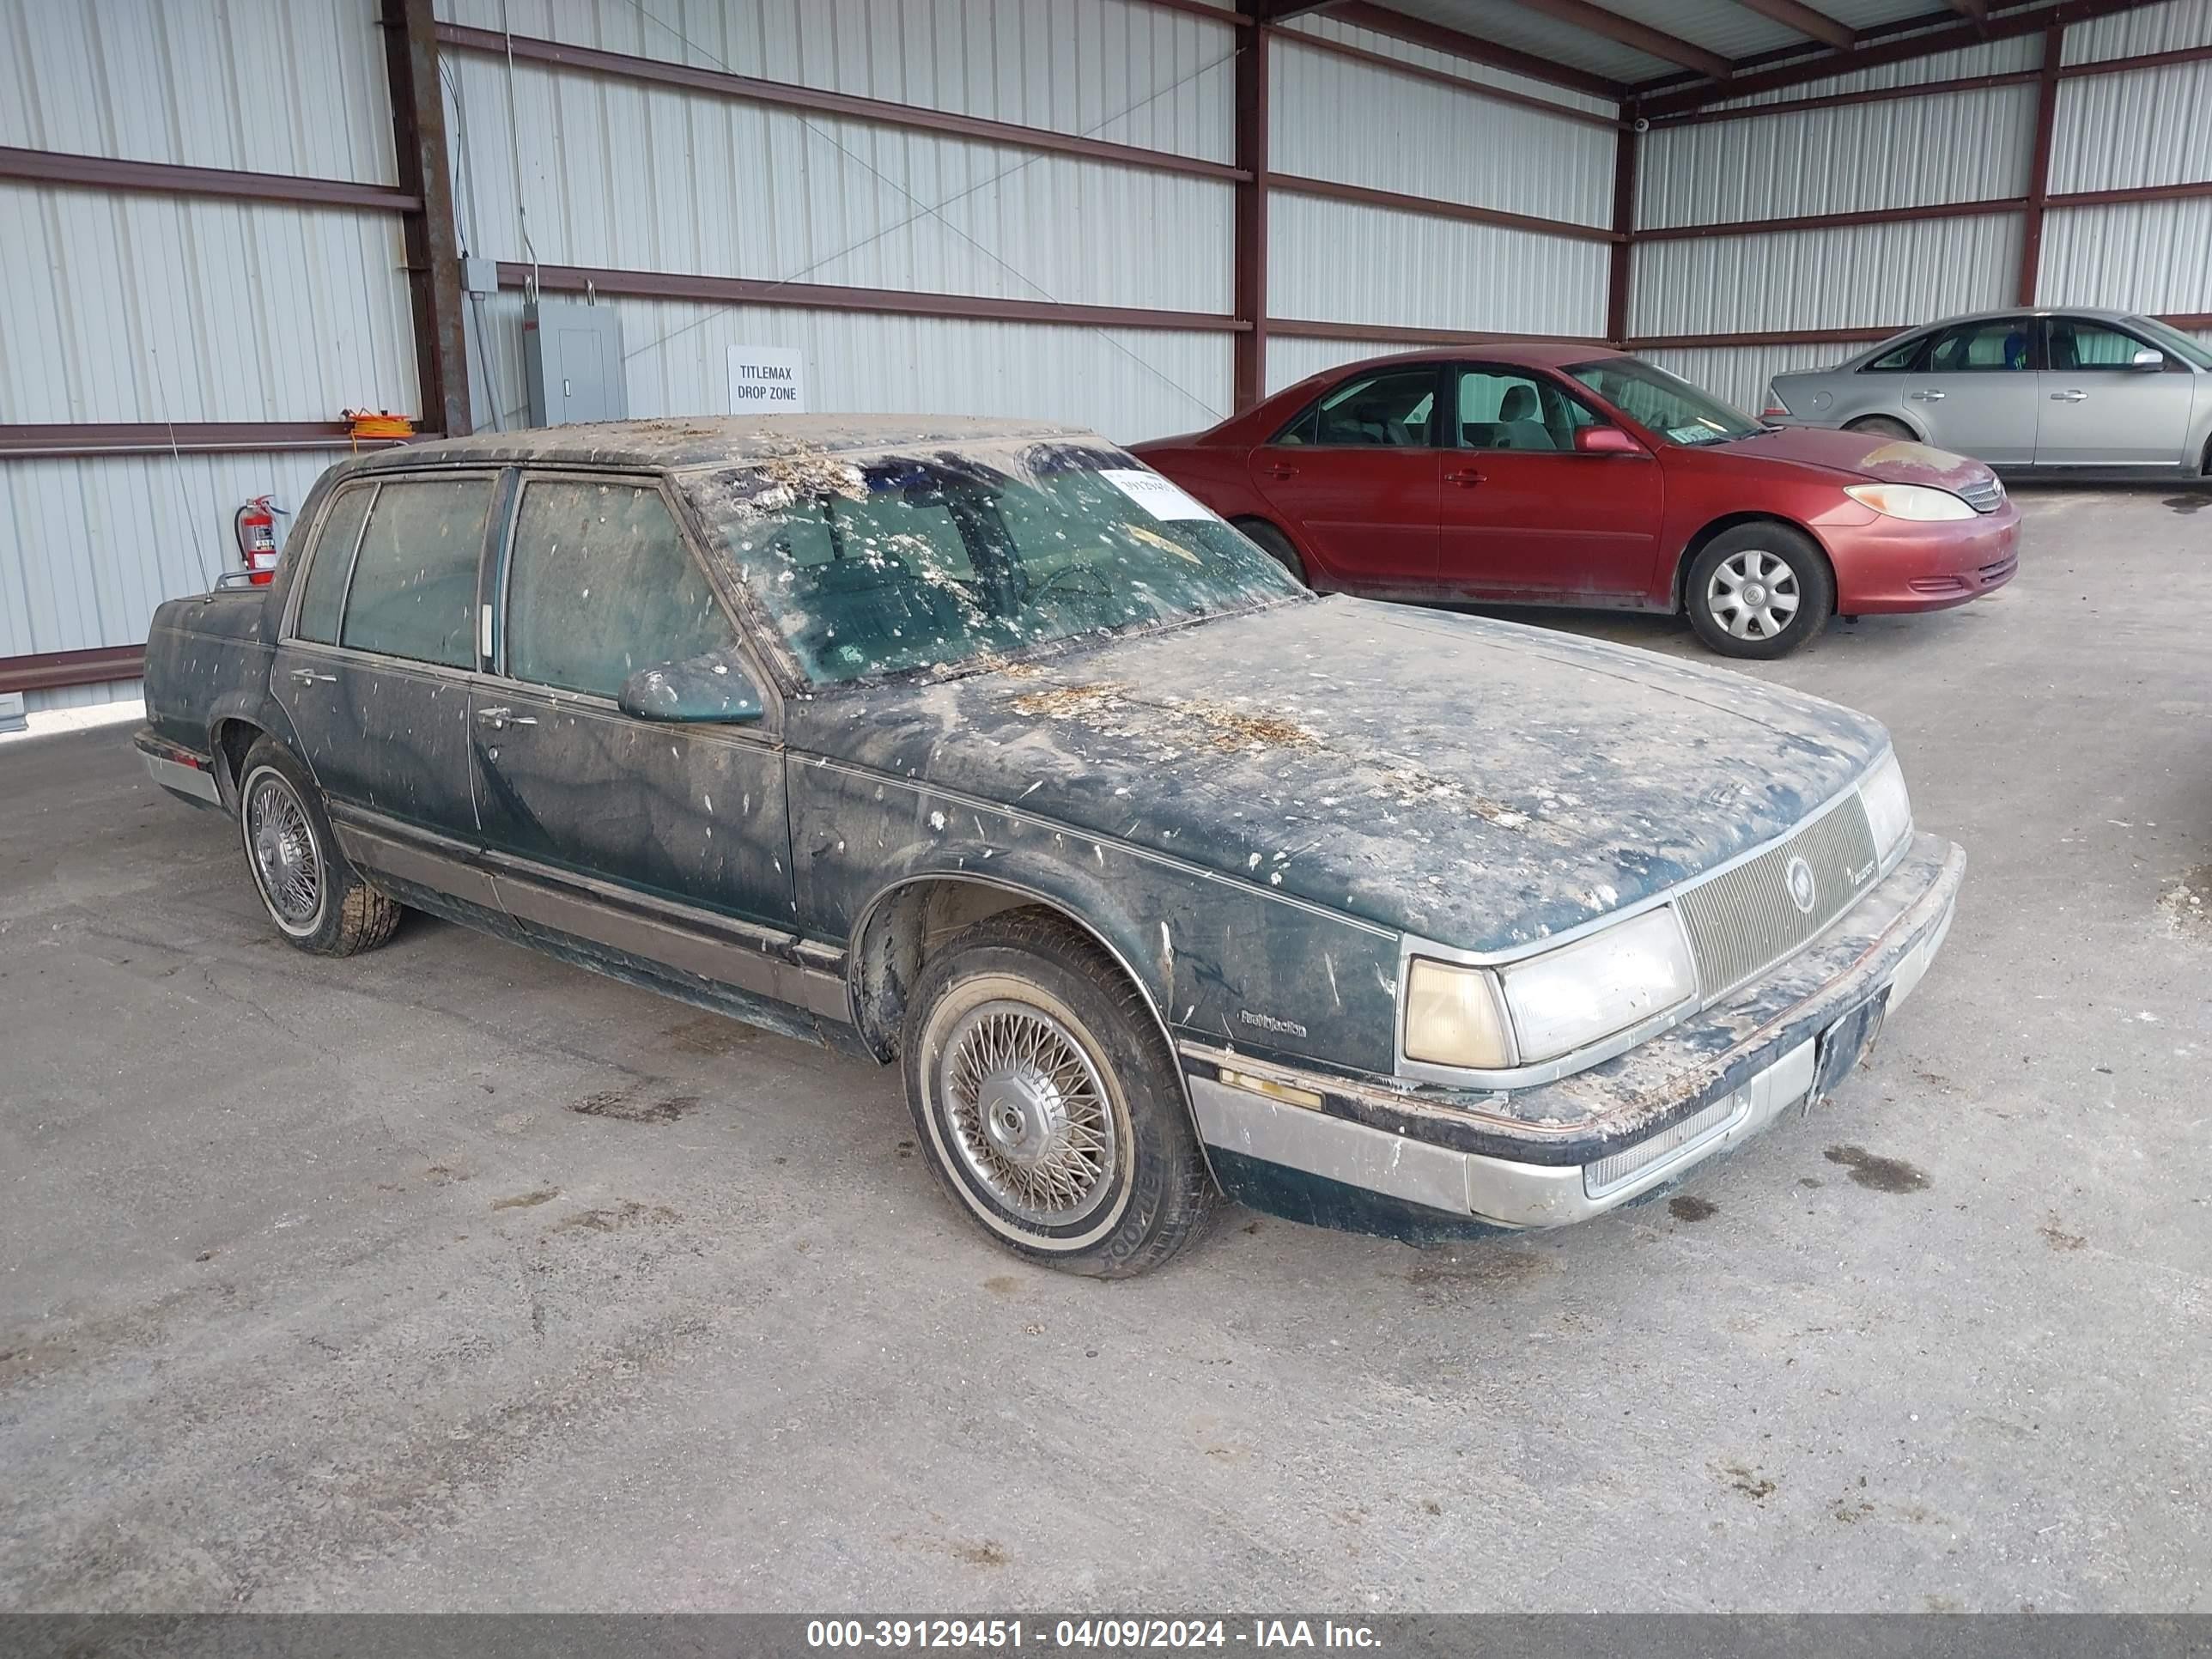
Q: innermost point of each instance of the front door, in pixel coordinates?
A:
(585, 807)
(1357, 477)
(1526, 516)
(375, 665)
(1974, 391)
(2098, 409)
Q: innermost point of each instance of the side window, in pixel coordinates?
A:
(1506, 408)
(329, 563)
(1898, 361)
(413, 591)
(2077, 342)
(1393, 409)
(1998, 346)
(601, 585)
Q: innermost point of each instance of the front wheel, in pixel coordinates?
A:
(1881, 426)
(1050, 1103)
(1760, 590)
(1276, 545)
(316, 898)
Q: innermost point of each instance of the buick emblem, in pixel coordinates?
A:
(1804, 890)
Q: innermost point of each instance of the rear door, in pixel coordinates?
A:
(581, 802)
(1974, 390)
(1527, 516)
(375, 668)
(1356, 476)
(2098, 409)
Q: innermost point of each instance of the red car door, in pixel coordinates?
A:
(1357, 477)
(1528, 515)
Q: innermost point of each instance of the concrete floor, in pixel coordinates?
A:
(343, 1284)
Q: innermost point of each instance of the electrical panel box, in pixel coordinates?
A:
(572, 363)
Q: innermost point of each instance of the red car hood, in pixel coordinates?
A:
(1892, 461)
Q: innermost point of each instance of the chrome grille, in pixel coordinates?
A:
(1745, 920)
(1985, 495)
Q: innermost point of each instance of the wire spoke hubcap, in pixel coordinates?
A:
(285, 857)
(1028, 1112)
(1753, 594)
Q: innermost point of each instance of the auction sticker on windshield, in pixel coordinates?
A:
(1156, 494)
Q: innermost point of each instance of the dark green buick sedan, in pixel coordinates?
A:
(985, 751)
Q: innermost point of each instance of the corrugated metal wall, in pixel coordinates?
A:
(2112, 131)
(89, 546)
(2130, 128)
(1350, 122)
(589, 170)
(145, 308)
(1144, 381)
(1902, 153)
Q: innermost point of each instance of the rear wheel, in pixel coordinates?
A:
(1048, 1100)
(316, 898)
(1881, 426)
(1760, 590)
(1276, 545)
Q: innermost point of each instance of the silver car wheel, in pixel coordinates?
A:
(1753, 594)
(1028, 1112)
(281, 845)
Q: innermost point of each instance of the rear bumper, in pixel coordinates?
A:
(1376, 1159)
(183, 772)
(1891, 566)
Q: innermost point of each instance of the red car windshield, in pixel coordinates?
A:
(1666, 403)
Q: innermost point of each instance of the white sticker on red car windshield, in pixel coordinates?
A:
(1159, 496)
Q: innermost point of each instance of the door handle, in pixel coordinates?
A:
(308, 676)
(1468, 476)
(1926, 396)
(500, 719)
(2070, 397)
(1279, 471)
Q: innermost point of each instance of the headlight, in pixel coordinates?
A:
(1453, 1017)
(1922, 503)
(1550, 1005)
(1618, 977)
(1888, 807)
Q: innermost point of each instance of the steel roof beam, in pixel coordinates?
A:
(1627, 31)
(1813, 24)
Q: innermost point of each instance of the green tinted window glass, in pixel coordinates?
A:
(602, 586)
(415, 580)
(884, 564)
(328, 564)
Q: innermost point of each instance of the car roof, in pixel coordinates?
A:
(681, 443)
(1532, 354)
(2101, 313)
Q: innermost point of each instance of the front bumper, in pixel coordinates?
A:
(1891, 566)
(1378, 1159)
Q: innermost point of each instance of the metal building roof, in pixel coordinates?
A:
(1671, 43)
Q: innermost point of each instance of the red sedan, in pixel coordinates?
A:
(1537, 474)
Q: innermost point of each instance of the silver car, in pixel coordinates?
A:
(2020, 389)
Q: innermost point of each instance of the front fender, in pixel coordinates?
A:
(1223, 959)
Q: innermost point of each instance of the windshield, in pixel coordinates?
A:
(869, 566)
(2172, 341)
(1666, 403)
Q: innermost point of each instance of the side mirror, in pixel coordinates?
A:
(2147, 358)
(706, 690)
(1605, 441)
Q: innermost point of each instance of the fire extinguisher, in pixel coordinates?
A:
(255, 527)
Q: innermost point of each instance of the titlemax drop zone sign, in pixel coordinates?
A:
(767, 380)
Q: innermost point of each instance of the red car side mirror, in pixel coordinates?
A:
(1605, 441)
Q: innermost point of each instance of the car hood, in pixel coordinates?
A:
(1868, 455)
(1478, 783)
